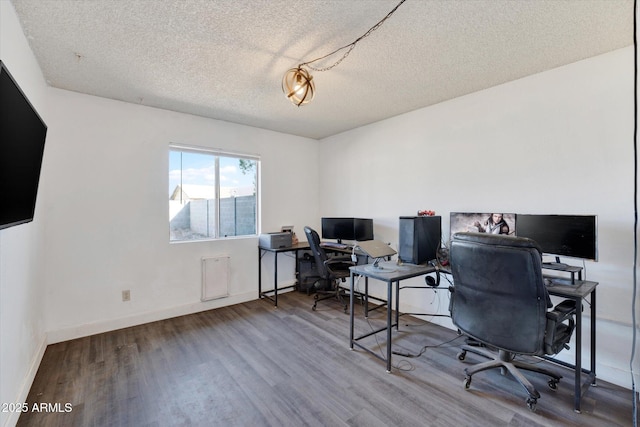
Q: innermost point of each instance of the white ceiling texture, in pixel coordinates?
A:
(225, 59)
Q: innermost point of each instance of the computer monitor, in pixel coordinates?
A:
(340, 229)
(363, 229)
(482, 222)
(561, 235)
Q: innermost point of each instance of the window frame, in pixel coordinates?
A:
(218, 153)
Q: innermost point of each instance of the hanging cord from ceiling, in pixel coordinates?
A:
(350, 46)
(297, 83)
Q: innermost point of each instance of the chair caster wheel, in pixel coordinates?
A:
(553, 384)
(531, 403)
(462, 355)
(313, 308)
(466, 382)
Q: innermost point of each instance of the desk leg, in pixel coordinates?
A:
(351, 311)
(259, 273)
(366, 297)
(275, 279)
(389, 324)
(398, 305)
(577, 391)
(593, 336)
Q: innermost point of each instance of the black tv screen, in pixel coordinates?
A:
(22, 137)
(562, 235)
(340, 229)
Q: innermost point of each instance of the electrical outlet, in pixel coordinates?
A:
(126, 295)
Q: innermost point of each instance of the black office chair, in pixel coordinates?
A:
(500, 301)
(330, 271)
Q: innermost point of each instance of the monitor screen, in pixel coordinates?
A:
(359, 229)
(363, 229)
(482, 222)
(22, 137)
(562, 235)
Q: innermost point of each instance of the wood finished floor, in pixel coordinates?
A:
(256, 365)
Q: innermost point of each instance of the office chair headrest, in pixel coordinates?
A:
(497, 239)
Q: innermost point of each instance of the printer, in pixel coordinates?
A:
(276, 240)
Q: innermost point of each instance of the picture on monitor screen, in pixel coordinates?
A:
(561, 235)
(494, 223)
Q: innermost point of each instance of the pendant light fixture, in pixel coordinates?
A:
(297, 83)
(298, 86)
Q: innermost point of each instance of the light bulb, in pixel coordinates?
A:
(298, 86)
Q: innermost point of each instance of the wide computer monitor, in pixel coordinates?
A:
(357, 229)
(561, 235)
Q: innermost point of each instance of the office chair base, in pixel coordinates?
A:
(338, 293)
(504, 360)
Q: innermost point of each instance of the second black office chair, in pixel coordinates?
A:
(499, 299)
(331, 271)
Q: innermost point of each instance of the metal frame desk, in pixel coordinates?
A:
(578, 291)
(390, 277)
(301, 246)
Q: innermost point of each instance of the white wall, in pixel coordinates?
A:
(556, 142)
(107, 222)
(102, 220)
(22, 328)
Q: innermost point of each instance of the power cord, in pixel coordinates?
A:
(426, 347)
(405, 365)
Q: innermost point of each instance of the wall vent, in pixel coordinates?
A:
(215, 277)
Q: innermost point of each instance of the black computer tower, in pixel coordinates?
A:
(307, 273)
(419, 238)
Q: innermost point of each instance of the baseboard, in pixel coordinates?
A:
(88, 329)
(12, 420)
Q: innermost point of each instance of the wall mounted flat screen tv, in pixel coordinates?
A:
(22, 137)
(357, 229)
(561, 235)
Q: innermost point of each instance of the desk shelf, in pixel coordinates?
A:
(556, 266)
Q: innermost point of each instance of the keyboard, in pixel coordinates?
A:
(334, 245)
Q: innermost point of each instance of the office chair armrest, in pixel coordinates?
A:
(339, 267)
(562, 311)
(560, 326)
(339, 260)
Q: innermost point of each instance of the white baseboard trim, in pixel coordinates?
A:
(66, 334)
(12, 420)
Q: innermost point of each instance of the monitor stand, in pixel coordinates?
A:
(376, 267)
(560, 266)
(555, 265)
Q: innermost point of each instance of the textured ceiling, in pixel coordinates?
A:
(225, 59)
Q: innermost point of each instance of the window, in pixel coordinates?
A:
(212, 194)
